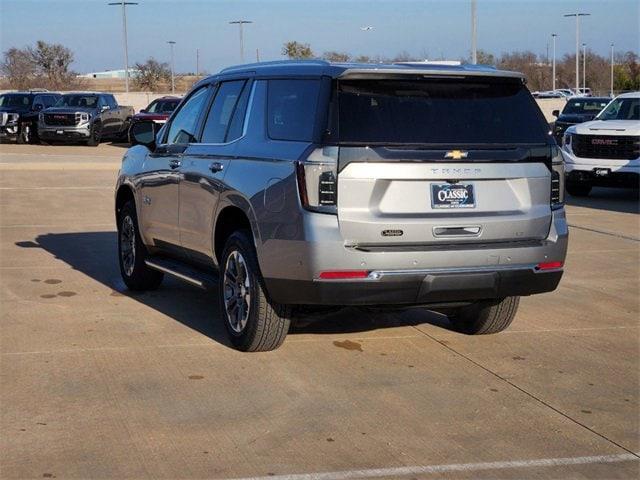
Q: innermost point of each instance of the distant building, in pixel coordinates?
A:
(110, 74)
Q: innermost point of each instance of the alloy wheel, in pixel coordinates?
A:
(128, 245)
(237, 291)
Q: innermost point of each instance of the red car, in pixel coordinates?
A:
(158, 111)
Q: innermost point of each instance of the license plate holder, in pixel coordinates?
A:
(452, 195)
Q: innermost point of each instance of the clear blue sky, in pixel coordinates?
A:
(433, 28)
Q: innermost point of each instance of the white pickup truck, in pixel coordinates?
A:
(606, 151)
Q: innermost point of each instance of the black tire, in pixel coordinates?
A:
(135, 273)
(24, 134)
(265, 324)
(96, 135)
(578, 189)
(485, 317)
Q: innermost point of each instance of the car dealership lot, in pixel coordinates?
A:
(98, 382)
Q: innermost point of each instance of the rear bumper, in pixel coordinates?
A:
(422, 275)
(417, 287)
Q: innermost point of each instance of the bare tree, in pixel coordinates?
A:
(151, 74)
(18, 67)
(363, 59)
(297, 51)
(53, 62)
(336, 56)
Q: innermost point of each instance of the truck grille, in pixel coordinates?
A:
(606, 146)
(61, 119)
(8, 118)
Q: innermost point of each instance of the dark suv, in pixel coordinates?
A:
(298, 184)
(19, 114)
(577, 110)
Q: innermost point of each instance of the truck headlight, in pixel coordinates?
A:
(566, 139)
(84, 117)
(12, 119)
(557, 179)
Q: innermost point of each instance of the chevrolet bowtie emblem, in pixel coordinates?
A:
(456, 154)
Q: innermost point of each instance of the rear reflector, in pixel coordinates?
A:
(344, 274)
(549, 265)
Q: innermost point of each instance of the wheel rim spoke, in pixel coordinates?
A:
(236, 288)
(128, 245)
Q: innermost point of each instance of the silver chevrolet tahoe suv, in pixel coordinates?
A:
(296, 185)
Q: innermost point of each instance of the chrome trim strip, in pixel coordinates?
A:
(186, 278)
(376, 275)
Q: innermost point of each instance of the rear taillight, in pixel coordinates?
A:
(557, 179)
(318, 180)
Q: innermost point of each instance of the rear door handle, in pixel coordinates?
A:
(174, 164)
(216, 167)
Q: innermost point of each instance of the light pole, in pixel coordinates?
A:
(241, 23)
(553, 70)
(577, 15)
(173, 82)
(197, 62)
(124, 36)
(474, 32)
(584, 68)
(611, 71)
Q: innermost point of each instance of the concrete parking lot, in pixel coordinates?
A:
(96, 382)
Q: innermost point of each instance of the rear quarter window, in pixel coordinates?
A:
(291, 109)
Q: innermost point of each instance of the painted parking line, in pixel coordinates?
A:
(58, 188)
(456, 467)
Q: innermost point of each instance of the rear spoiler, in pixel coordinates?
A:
(364, 73)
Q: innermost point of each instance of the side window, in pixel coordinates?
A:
(49, 101)
(183, 127)
(291, 109)
(111, 101)
(38, 102)
(237, 122)
(101, 102)
(217, 124)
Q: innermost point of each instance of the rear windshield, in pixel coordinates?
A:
(438, 111)
(85, 101)
(584, 105)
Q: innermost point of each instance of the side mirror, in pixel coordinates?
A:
(144, 133)
(144, 110)
(37, 107)
(556, 113)
(105, 108)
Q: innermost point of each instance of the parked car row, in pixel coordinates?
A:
(79, 117)
(563, 93)
(605, 151)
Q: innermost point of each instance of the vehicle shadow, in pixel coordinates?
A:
(95, 255)
(620, 200)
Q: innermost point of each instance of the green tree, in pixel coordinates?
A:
(297, 51)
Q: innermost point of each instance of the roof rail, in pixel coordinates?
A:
(249, 66)
(37, 90)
